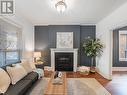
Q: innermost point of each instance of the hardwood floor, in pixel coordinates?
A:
(118, 85)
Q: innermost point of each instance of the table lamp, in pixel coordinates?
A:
(37, 56)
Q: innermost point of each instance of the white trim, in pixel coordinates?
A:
(47, 24)
(119, 68)
(121, 32)
(75, 57)
(8, 20)
(111, 53)
(105, 76)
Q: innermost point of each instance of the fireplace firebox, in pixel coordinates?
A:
(63, 61)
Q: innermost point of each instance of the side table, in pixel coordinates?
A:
(40, 66)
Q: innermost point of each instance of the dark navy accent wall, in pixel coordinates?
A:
(116, 62)
(64, 28)
(41, 38)
(86, 31)
(45, 38)
(42, 42)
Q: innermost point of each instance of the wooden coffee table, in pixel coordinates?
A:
(57, 89)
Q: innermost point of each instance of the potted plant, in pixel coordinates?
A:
(92, 48)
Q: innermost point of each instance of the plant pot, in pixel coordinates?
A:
(92, 68)
(92, 71)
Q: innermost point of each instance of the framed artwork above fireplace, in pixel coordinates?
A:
(64, 40)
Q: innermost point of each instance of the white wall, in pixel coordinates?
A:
(104, 28)
(27, 30)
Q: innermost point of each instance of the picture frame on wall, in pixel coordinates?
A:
(64, 40)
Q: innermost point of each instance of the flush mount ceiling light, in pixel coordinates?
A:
(61, 6)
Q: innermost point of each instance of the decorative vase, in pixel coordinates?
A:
(92, 67)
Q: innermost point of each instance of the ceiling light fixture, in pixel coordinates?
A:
(61, 6)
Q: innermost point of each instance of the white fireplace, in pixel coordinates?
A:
(61, 50)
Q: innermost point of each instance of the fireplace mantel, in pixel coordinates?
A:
(74, 51)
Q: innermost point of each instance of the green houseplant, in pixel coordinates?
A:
(92, 48)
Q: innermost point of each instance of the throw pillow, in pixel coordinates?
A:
(33, 66)
(27, 67)
(16, 73)
(4, 81)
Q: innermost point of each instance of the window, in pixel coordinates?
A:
(123, 45)
(10, 43)
(12, 56)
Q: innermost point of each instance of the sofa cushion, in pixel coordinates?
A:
(19, 88)
(4, 81)
(16, 73)
(31, 76)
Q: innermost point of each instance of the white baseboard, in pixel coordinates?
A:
(119, 68)
(105, 76)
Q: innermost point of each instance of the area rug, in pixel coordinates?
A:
(39, 87)
(75, 86)
(85, 86)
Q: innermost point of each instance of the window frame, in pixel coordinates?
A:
(5, 26)
(121, 32)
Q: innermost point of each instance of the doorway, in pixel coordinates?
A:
(120, 49)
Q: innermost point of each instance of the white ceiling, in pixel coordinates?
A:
(43, 12)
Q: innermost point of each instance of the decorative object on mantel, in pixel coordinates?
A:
(92, 48)
(84, 70)
(61, 6)
(37, 56)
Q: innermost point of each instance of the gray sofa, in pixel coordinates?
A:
(23, 85)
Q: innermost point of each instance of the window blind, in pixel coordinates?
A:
(10, 43)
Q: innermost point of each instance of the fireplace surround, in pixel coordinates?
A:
(73, 52)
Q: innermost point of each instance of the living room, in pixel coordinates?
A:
(63, 47)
